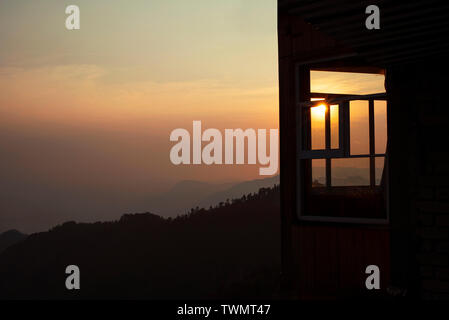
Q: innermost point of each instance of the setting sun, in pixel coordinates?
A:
(319, 112)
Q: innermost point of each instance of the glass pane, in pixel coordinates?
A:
(379, 164)
(346, 82)
(380, 126)
(359, 127)
(317, 117)
(350, 172)
(334, 126)
(318, 172)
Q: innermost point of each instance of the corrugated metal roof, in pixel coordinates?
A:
(409, 30)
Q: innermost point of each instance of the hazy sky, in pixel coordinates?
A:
(133, 73)
(86, 115)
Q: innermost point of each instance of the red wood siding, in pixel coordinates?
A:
(318, 260)
(330, 261)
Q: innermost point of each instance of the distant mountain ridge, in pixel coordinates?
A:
(10, 237)
(192, 194)
(50, 207)
(237, 190)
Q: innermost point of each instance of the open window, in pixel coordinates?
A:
(342, 143)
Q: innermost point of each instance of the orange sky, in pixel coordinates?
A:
(132, 74)
(86, 115)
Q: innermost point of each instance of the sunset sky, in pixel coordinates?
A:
(88, 113)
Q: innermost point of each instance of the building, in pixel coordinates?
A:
(398, 217)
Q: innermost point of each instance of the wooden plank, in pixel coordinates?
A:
(347, 269)
(306, 255)
(326, 265)
(332, 260)
(372, 160)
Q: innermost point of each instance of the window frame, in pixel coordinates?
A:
(304, 152)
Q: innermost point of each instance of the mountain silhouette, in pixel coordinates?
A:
(191, 194)
(237, 190)
(38, 209)
(186, 193)
(10, 237)
(229, 251)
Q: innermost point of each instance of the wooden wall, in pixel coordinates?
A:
(330, 261)
(318, 261)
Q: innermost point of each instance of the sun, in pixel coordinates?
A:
(319, 112)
